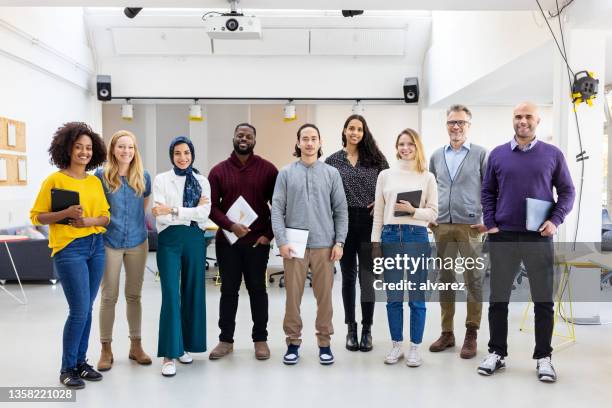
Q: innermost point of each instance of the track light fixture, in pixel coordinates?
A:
(131, 12)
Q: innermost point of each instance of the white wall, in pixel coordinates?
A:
(323, 77)
(39, 89)
(467, 45)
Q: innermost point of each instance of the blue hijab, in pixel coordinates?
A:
(192, 191)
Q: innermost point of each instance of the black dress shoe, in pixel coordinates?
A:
(72, 380)
(351, 337)
(366, 338)
(87, 372)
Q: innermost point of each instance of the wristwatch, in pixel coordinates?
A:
(340, 244)
(174, 212)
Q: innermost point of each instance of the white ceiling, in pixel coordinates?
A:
(301, 5)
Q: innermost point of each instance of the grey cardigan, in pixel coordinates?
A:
(459, 199)
(311, 198)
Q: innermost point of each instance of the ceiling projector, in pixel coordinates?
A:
(233, 26)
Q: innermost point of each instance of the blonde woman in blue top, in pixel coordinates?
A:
(127, 187)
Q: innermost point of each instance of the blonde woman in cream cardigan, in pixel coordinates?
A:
(401, 229)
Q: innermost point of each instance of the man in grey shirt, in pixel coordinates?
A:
(459, 168)
(308, 195)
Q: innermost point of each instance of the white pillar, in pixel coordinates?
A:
(586, 51)
(150, 159)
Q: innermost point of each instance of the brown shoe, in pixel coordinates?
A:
(446, 340)
(221, 350)
(469, 344)
(137, 353)
(106, 357)
(262, 351)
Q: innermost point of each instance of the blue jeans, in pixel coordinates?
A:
(410, 240)
(79, 266)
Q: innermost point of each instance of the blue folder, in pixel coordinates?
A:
(538, 211)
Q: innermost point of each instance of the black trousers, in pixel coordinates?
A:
(507, 250)
(357, 246)
(236, 261)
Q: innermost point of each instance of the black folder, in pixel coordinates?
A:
(413, 197)
(62, 199)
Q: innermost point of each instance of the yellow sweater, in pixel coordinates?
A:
(92, 199)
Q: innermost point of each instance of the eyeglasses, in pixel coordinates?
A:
(460, 123)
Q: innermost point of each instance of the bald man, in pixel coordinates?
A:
(525, 167)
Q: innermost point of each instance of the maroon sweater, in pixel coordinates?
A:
(254, 181)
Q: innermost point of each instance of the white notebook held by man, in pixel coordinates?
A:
(241, 213)
(297, 239)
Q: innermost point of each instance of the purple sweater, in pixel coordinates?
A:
(512, 176)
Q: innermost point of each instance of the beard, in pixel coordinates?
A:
(247, 150)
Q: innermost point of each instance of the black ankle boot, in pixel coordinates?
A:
(366, 338)
(351, 337)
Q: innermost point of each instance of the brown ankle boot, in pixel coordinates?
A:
(469, 344)
(137, 353)
(446, 340)
(106, 357)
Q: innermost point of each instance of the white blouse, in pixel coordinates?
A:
(168, 190)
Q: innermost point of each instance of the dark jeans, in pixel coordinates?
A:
(357, 246)
(507, 250)
(79, 266)
(234, 262)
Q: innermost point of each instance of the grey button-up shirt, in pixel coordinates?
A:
(312, 198)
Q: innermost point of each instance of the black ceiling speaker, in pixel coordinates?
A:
(104, 87)
(131, 12)
(411, 90)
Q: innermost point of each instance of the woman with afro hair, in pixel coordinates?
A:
(75, 239)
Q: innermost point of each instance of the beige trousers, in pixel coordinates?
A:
(296, 270)
(134, 260)
(453, 240)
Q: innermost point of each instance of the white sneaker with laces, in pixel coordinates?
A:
(491, 363)
(186, 358)
(414, 359)
(396, 353)
(168, 369)
(546, 371)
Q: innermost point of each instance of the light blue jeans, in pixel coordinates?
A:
(412, 241)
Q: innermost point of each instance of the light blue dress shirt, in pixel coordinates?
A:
(514, 144)
(455, 157)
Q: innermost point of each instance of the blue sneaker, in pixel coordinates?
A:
(325, 356)
(292, 355)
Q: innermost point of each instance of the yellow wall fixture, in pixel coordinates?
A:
(195, 112)
(289, 112)
(127, 111)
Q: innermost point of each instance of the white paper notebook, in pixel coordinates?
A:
(240, 212)
(297, 239)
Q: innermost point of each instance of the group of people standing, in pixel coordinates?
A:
(346, 204)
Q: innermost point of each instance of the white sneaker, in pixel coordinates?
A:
(396, 353)
(186, 358)
(168, 369)
(491, 363)
(414, 359)
(546, 371)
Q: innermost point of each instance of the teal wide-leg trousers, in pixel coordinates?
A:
(182, 320)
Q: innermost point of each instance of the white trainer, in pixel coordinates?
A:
(491, 363)
(186, 358)
(396, 353)
(414, 359)
(168, 369)
(546, 371)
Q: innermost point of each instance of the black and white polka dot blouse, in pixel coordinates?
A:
(359, 181)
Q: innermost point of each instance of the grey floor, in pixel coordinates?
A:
(30, 344)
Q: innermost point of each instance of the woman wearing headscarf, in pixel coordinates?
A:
(181, 208)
